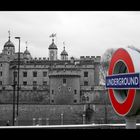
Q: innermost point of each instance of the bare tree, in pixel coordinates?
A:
(105, 63)
(134, 48)
(105, 59)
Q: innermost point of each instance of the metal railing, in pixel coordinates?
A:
(80, 126)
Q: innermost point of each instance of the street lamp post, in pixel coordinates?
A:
(14, 97)
(18, 74)
(105, 104)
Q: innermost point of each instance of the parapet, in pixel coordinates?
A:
(82, 57)
(98, 59)
(93, 57)
(87, 57)
(90, 57)
(39, 59)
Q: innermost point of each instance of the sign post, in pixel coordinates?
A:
(123, 84)
(130, 122)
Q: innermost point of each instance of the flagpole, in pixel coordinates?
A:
(56, 39)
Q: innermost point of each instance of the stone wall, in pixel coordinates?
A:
(26, 96)
(72, 114)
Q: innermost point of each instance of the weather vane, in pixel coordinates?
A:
(26, 44)
(9, 34)
(53, 35)
(64, 45)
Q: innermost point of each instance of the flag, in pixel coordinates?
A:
(52, 35)
(9, 33)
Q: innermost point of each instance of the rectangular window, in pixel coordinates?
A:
(44, 74)
(1, 65)
(64, 81)
(75, 91)
(3, 88)
(85, 74)
(34, 88)
(24, 83)
(0, 73)
(52, 91)
(34, 83)
(24, 74)
(85, 83)
(15, 73)
(75, 101)
(34, 74)
(0, 82)
(44, 83)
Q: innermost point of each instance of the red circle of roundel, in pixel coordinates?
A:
(122, 108)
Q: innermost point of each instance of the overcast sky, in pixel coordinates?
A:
(85, 33)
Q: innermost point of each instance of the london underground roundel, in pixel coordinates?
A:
(123, 81)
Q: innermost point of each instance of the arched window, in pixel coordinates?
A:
(83, 99)
(87, 98)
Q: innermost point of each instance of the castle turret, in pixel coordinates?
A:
(9, 48)
(26, 54)
(53, 51)
(64, 55)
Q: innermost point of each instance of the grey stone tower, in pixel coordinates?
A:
(64, 55)
(9, 48)
(53, 51)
